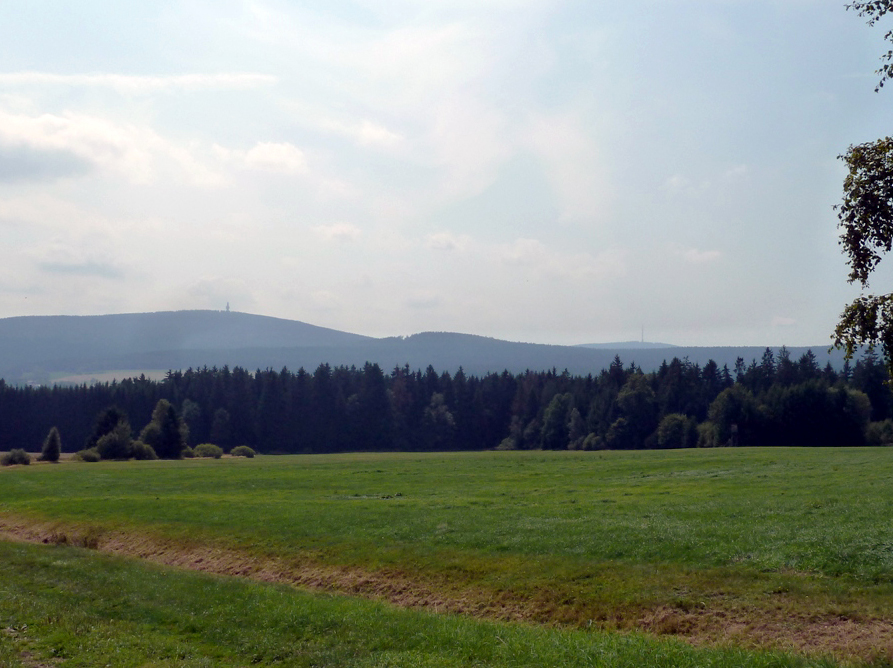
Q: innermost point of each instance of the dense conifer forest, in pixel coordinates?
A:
(773, 401)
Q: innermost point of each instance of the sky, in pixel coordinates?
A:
(535, 170)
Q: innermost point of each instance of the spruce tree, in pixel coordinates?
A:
(52, 447)
(171, 442)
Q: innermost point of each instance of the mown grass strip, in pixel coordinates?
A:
(87, 609)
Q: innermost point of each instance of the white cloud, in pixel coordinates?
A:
(214, 292)
(536, 257)
(140, 84)
(678, 184)
(16, 102)
(338, 232)
(284, 158)
(272, 157)
(85, 268)
(364, 133)
(58, 216)
(446, 241)
(421, 59)
(66, 250)
(324, 300)
(468, 141)
(128, 150)
(695, 255)
(736, 172)
(574, 165)
(524, 251)
(423, 299)
(782, 321)
(114, 148)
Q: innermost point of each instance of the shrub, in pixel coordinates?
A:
(140, 450)
(677, 431)
(242, 451)
(52, 447)
(593, 442)
(116, 444)
(707, 435)
(508, 443)
(208, 450)
(17, 456)
(879, 433)
(151, 435)
(187, 453)
(89, 455)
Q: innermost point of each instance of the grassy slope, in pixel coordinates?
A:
(84, 609)
(574, 536)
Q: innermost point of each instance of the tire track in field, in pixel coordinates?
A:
(765, 627)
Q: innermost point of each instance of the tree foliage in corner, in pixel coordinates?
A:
(875, 10)
(866, 222)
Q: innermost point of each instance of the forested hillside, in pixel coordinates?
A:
(777, 400)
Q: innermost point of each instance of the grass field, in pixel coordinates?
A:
(783, 548)
(82, 609)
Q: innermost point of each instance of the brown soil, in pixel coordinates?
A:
(766, 628)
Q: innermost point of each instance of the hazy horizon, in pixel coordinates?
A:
(630, 344)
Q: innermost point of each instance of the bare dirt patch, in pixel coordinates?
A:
(714, 625)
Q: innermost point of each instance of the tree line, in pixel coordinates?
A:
(774, 401)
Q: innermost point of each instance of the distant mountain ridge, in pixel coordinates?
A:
(627, 345)
(186, 329)
(37, 348)
(36, 344)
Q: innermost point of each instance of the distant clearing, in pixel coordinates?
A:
(788, 549)
(109, 376)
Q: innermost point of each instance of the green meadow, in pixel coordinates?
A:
(777, 543)
(76, 608)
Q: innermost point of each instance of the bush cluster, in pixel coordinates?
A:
(242, 451)
(142, 451)
(208, 450)
(116, 444)
(17, 456)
